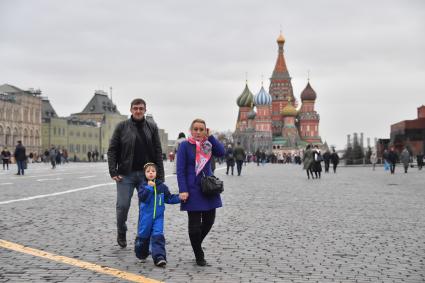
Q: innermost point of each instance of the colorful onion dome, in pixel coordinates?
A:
(289, 110)
(280, 39)
(251, 114)
(308, 93)
(262, 97)
(246, 98)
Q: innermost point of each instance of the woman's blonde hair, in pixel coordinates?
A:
(198, 120)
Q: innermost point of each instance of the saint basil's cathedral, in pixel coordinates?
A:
(270, 121)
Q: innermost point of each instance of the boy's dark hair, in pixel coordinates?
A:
(149, 164)
(138, 101)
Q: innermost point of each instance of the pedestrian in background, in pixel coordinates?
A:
(327, 160)
(334, 159)
(420, 160)
(239, 154)
(20, 157)
(258, 156)
(134, 143)
(5, 156)
(52, 156)
(392, 159)
(308, 161)
(373, 159)
(317, 159)
(230, 159)
(181, 137)
(405, 159)
(193, 162)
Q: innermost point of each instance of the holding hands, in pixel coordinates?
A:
(184, 196)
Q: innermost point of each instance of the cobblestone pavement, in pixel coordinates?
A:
(357, 225)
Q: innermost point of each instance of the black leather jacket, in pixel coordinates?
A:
(121, 148)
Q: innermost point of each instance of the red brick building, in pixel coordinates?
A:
(410, 133)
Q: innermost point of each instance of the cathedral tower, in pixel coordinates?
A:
(280, 88)
(308, 117)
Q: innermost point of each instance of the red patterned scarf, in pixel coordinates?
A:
(203, 153)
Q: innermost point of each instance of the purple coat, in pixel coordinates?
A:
(189, 182)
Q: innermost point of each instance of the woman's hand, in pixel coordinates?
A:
(184, 196)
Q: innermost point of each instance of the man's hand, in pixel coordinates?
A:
(184, 196)
(117, 178)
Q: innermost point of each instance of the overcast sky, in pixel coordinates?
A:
(188, 59)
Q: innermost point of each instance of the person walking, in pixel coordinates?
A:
(5, 156)
(20, 157)
(317, 159)
(52, 156)
(308, 160)
(89, 156)
(193, 162)
(327, 160)
(420, 160)
(181, 137)
(373, 159)
(334, 159)
(405, 159)
(239, 154)
(230, 159)
(392, 159)
(153, 194)
(134, 143)
(258, 156)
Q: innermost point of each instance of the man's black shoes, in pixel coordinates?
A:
(122, 241)
(201, 262)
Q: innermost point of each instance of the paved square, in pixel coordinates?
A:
(357, 225)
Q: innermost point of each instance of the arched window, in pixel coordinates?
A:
(37, 138)
(15, 136)
(25, 141)
(2, 141)
(8, 137)
(31, 142)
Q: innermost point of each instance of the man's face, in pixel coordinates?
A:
(138, 111)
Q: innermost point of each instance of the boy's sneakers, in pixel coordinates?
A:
(161, 263)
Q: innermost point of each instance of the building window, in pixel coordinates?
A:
(78, 148)
(84, 134)
(78, 134)
(84, 148)
(54, 131)
(71, 133)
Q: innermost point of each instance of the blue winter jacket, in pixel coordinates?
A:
(152, 199)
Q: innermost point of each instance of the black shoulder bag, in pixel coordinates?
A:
(211, 185)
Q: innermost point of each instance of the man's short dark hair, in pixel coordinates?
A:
(138, 101)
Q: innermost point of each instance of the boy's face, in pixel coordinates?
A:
(150, 173)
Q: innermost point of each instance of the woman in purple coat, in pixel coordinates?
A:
(193, 161)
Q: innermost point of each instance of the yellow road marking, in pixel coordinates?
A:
(79, 263)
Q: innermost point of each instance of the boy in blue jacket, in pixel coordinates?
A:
(152, 196)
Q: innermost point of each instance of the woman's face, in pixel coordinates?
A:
(198, 131)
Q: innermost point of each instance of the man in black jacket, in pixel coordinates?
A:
(20, 157)
(134, 143)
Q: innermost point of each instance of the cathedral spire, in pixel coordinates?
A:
(280, 69)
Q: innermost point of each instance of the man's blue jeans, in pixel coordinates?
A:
(125, 189)
(21, 164)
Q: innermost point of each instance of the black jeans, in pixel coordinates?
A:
(392, 167)
(239, 166)
(200, 223)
